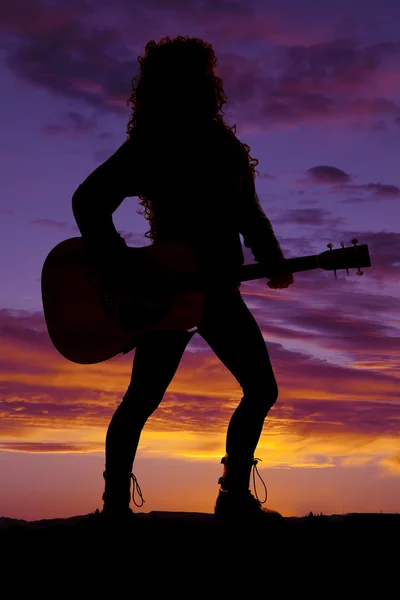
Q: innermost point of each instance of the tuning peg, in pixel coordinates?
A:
(347, 271)
(334, 270)
(359, 272)
(354, 241)
(330, 246)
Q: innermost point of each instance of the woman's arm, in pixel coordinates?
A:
(99, 196)
(256, 228)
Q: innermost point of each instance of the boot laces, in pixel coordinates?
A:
(135, 485)
(255, 470)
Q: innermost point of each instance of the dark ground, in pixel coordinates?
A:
(357, 555)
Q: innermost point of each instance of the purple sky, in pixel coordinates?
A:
(314, 89)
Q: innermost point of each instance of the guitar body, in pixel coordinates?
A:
(90, 321)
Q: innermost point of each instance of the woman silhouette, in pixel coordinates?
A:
(195, 181)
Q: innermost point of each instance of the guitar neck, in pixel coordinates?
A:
(302, 263)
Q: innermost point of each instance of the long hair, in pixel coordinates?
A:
(176, 85)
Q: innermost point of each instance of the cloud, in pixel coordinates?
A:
(379, 126)
(330, 81)
(17, 17)
(383, 190)
(315, 217)
(392, 463)
(385, 251)
(340, 183)
(353, 200)
(285, 107)
(365, 107)
(89, 60)
(325, 412)
(53, 224)
(73, 61)
(6, 213)
(341, 65)
(327, 175)
(135, 239)
(380, 191)
(339, 418)
(341, 324)
(75, 124)
(265, 176)
(54, 130)
(48, 447)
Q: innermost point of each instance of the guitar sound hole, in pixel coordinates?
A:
(139, 314)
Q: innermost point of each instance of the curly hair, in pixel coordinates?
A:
(176, 83)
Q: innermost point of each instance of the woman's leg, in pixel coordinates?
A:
(155, 363)
(232, 332)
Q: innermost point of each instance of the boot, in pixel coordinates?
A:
(235, 500)
(116, 499)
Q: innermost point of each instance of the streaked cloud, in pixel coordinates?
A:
(315, 217)
(330, 404)
(341, 184)
(71, 123)
(47, 448)
(54, 224)
(385, 190)
(60, 49)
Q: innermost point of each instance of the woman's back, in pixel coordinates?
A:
(192, 178)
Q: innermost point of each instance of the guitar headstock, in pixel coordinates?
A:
(353, 257)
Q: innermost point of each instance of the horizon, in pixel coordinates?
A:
(315, 91)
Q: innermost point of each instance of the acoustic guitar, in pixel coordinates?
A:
(90, 320)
